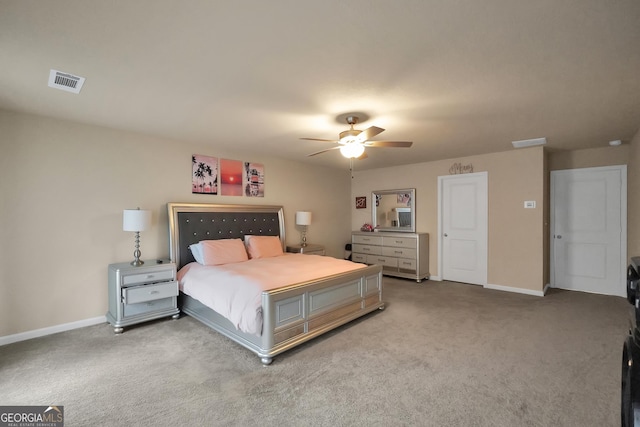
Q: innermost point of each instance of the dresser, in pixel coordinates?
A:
(400, 254)
(138, 294)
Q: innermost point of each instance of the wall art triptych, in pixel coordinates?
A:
(211, 175)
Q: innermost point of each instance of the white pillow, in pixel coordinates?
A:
(196, 250)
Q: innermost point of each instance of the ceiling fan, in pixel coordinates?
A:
(352, 142)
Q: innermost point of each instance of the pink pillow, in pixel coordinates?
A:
(263, 246)
(224, 251)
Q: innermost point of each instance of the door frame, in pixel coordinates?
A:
(441, 180)
(623, 220)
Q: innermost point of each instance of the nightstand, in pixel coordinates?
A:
(307, 250)
(139, 294)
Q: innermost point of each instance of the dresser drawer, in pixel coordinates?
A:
(399, 242)
(366, 249)
(367, 240)
(399, 252)
(359, 258)
(144, 293)
(150, 277)
(382, 260)
(149, 306)
(407, 264)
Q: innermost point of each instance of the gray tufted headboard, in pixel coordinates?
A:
(191, 222)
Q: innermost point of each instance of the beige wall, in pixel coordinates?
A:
(63, 187)
(589, 158)
(516, 235)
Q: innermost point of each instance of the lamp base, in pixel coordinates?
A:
(136, 254)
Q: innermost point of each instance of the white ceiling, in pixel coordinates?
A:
(456, 77)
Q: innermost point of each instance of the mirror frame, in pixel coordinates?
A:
(412, 205)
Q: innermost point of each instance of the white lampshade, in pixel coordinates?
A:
(352, 150)
(303, 218)
(136, 220)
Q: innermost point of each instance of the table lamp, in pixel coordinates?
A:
(136, 220)
(304, 219)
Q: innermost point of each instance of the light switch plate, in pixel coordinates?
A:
(530, 204)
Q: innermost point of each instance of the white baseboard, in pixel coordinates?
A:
(516, 290)
(8, 339)
(506, 288)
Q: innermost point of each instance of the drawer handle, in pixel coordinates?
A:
(398, 241)
(397, 252)
(154, 292)
(150, 276)
(366, 249)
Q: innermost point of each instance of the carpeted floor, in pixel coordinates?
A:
(440, 354)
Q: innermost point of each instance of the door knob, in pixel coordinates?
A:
(558, 236)
(446, 235)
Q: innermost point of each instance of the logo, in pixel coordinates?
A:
(31, 416)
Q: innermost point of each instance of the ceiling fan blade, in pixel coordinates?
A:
(388, 144)
(322, 151)
(369, 133)
(318, 139)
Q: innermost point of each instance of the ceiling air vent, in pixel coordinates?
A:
(65, 81)
(529, 142)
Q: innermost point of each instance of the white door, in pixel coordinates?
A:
(463, 227)
(588, 229)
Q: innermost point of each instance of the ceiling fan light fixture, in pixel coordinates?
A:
(352, 151)
(349, 136)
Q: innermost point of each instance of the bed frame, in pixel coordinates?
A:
(291, 315)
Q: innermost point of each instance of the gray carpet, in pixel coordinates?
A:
(441, 354)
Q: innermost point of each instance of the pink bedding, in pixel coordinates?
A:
(235, 290)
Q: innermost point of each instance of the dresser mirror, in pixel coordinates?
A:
(394, 210)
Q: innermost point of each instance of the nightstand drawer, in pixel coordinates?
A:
(149, 306)
(151, 277)
(309, 249)
(314, 252)
(144, 293)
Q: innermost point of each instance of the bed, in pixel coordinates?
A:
(292, 314)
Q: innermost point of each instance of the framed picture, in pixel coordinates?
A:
(253, 179)
(361, 202)
(230, 177)
(204, 174)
